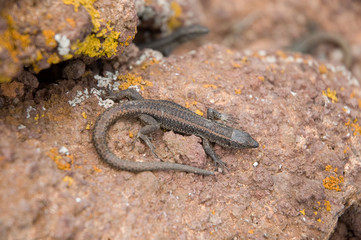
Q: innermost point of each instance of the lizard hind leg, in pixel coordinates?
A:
(151, 126)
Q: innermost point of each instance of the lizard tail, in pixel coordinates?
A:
(102, 125)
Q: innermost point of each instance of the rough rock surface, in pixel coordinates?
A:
(304, 175)
(41, 33)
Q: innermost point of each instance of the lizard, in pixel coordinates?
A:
(317, 36)
(171, 116)
(181, 35)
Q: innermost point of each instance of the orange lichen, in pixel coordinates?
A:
(355, 127)
(96, 169)
(261, 78)
(236, 65)
(71, 22)
(210, 86)
(49, 38)
(238, 91)
(146, 64)
(174, 21)
(352, 95)
(62, 162)
(330, 94)
(281, 54)
(131, 135)
(322, 69)
(133, 80)
(251, 231)
(333, 183)
(14, 43)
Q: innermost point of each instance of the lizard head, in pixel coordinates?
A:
(242, 139)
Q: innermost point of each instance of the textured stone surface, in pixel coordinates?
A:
(304, 175)
(41, 33)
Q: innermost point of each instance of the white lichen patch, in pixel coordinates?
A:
(63, 44)
(148, 55)
(28, 110)
(63, 150)
(107, 82)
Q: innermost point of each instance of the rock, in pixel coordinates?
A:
(298, 109)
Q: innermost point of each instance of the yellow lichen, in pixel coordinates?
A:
(83, 114)
(101, 42)
(39, 56)
(90, 46)
(110, 44)
(327, 206)
(303, 212)
(174, 21)
(328, 168)
(199, 112)
(68, 180)
(330, 94)
(53, 59)
(89, 7)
